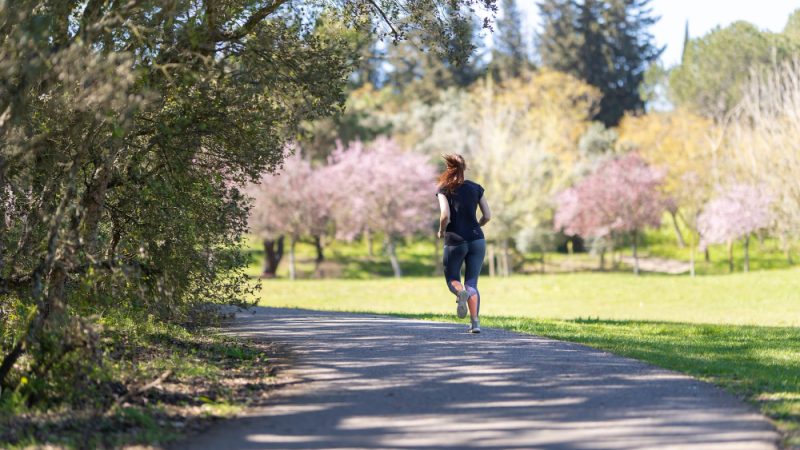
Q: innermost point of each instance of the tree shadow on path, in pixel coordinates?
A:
(382, 382)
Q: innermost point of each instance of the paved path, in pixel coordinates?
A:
(368, 382)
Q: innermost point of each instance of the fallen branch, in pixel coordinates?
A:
(161, 378)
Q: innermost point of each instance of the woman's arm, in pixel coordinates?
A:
(444, 215)
(485, 211)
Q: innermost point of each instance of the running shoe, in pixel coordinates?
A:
(475, 327)
(461, 299)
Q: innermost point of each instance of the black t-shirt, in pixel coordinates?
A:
(463, 226)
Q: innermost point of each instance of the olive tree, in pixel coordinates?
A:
(126, 132)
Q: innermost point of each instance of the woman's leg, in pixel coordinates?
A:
(452, 259)
(474, 262)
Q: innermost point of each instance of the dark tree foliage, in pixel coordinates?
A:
(603, 42)
(418, 70)
(126, 130)
(510, 55)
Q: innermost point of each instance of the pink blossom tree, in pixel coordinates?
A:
(735, 213)
(378, 187)
(292, 202)
(622, 195)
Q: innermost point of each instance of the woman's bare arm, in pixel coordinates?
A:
(486, 213)
(444, 215)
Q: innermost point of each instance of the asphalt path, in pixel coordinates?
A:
(377, 382)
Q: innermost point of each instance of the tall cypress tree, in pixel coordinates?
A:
(558, 43)
(792, 29)
(604, 42)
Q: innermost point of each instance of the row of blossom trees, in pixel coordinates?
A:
(364, 189)
(625, 195)
(547, 168)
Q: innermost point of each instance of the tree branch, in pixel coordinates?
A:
(385, 19)
(251, 21)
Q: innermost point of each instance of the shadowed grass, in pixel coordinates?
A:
(204, 376)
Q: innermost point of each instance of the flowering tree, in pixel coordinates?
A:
(677, 141)
(378, 187)
(620, 196)
(736, 213)
(291, 202)
(518, 139)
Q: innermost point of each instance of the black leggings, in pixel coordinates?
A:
(471, 254)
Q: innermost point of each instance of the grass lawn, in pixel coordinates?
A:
(741, 331)
(764, 298)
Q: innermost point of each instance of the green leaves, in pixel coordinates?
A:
(126, 131)
(716, 67)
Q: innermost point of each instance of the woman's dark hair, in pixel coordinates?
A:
(453, 175)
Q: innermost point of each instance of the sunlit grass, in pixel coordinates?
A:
(769, 298)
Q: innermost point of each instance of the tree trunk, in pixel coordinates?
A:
(292, 262)
(570, 251)
(273, 253)
(730, 256)
(707, 255)
(390, 249)
(438, 266)
(51, 272)
(368, 238)
(499, 257)
(501, 272)
(492, 266)
(94, 200)
(8, 362)
(320, 251)
(544, 255)
(3, 201)
(787, 249)
(506, 265)
(678, 233)
(747, 253)
(692, 261)
(634, 247)
(602, 260)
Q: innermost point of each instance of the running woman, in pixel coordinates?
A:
(464, 243)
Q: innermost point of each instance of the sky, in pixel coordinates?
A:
(703, 16)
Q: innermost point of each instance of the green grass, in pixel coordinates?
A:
(764, 298)
(738, 331)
